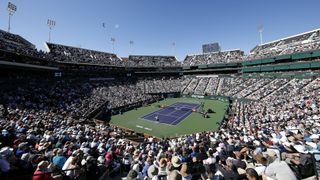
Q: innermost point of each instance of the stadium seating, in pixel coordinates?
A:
(15, 43)
(304, 42)
(15, 39)
(46, 122)
(152, 61)
(57, 105)
(299, 43)
(217, 57)
(70, 54)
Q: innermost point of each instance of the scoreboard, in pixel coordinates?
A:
(212, 47)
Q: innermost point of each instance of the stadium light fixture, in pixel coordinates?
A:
(113, 40)
(11, 9)
(51, 24)
(131, 45)
(173, 44)
(260, 30)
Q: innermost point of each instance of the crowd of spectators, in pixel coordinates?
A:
(286, 118)
(152, 61)
(216, 57)
(302, 48)
(67, 54)
(215, 85)
(212, 86)
(62, 53)
(17, 44)
(269, 138)
(41, 119)
(15, 39)
(191, 84)
(163, 85)
(292, 111)
(202, 86)
(299, 43)
(78, 98)
(250, 88)
(45, 129)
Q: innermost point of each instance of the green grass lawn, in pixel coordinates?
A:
(192, 124)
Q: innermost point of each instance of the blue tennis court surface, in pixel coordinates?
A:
(172, 114)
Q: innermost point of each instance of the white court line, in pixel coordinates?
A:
(159, 113)
(170, 114)
(184, 117)
(155, 112)
(173, 116)
(181, 116)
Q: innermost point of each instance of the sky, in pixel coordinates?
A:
(154, 25)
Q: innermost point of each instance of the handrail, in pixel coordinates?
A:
(58, 172)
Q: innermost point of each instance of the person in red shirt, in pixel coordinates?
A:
(41, 172)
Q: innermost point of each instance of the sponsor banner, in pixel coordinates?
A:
(197, 96)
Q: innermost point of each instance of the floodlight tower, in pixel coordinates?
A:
(131, 44)
(11, 9)
(173, 44)
(260, 30)
(113, 40)
(51, 24)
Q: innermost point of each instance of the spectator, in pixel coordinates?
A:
(59, 159)
(42, 172)
(132, 175)
(175, 175)
(185, 172)
(252, 174)
(227, 169)
(277, 169)
(153, 172)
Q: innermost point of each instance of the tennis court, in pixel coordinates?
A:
(191, 124)
(172, 114)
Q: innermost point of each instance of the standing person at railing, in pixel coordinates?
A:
(70, 167)
(43, 172)
(59, 159)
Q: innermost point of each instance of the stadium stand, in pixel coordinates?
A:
(162, 85)
(158, 61)
(303, 42)
(15, 39)
(16, 43)
(216, 57)
(47, 131)
(298, 43)
(62, 53)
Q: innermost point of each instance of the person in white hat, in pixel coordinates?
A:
(176, 162)
(153, 172)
